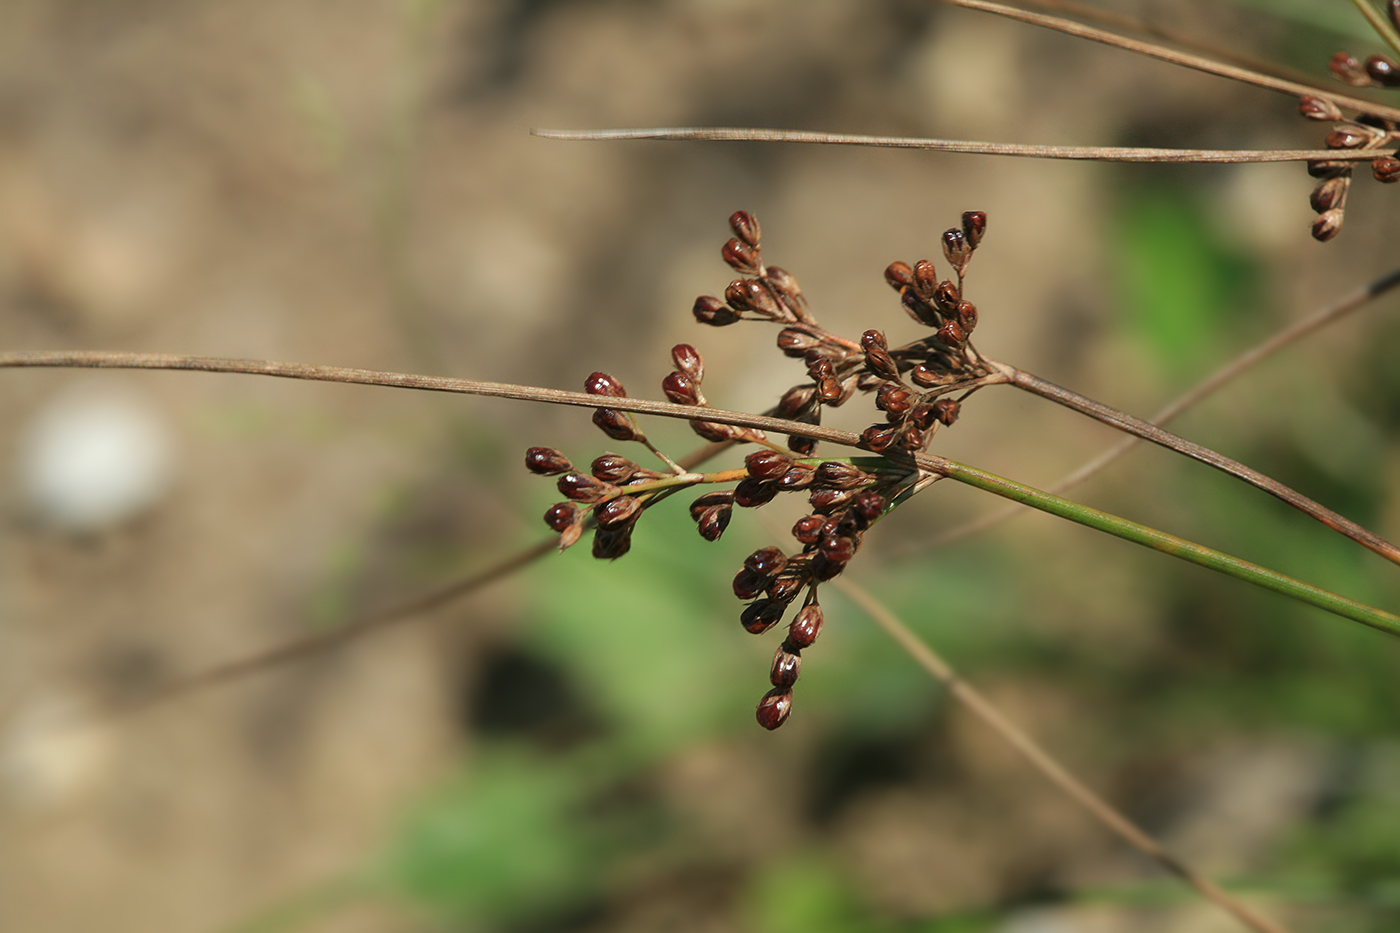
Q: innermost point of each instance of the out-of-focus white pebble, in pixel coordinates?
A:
(94, 457)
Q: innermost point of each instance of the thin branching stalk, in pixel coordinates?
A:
(1183, 59)
(940, 466)
(968, 146)
(1379, 23)
(1042, 761)
(1151, 432)
(1217, 380)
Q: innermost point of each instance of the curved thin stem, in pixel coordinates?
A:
(1379, 23)
(973, 147)
(1042, 761)
(1151, 432)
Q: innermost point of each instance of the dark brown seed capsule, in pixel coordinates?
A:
(837, 475)
(1327, 225)
(1328, 169)
(798, 477)
(1329, 194)
(774, 709)
(784, 287)
(921, 416)
(967, 315)
(714, 431)
(899, 275)
(613, 468)
(1383, 71)
(1317, 108)
(745, 227)
(712, 311)
(741, 257)
(796, 343)
(580, 488)
(688, 360)
(612, 543)
(956, 249)
(807, 626)
(946, 410)
(918, 308)
(767, 464)
(925, 376)
(913, 439)
(807, 530)
(796, 402)
(823, 569)
(1348, 70)
(766, 561)
(713, 521)
(953, 334)
(761, 615)
(750, 493)
(925, 279)
(681, 389)
(893, 398)
(787, 665)
(873, 338)
(750, 295)
(787, 586)
(603, 384)
(826, 500)
(802, 446)
(878, 437)
(749, 584)
(616, 425)
(871, 505)
(1347, 137)
(838, 549)
(946, 297)
(561, 516)
(974, 224)
(618, 512)
(546, 461)
(1386, 169)
(708, 501)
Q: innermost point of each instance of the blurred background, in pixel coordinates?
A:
(574, 748)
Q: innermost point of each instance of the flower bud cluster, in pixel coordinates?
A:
(609, 494)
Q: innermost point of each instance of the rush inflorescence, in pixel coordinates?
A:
(918, 387)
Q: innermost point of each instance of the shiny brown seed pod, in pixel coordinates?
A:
(796, 343)
(806, 626)
(827, 500)
(579, 487)
(878, 437)
(807, 529)
(798, 477)
(546, 461)
(1329, 194)
(838, 549)
(925, 376)
(1386, 170)
(750, 493)
(1350, 136)
(946, 297)
(796, 402)
(712, 522)
(1348, 70)
(925, 279)
(1383, 71)
(561, 516)
(681, 389)
(953, 334)
(1328, 169)
(618, 512)
(714, 431)
(712, 311)
(787, 586)
(974, 224)
(899, 275)
(829, 390)
(688, 360)
(783, 285)
(745, 227)
(750, 295)
(787, 666)
(612, 543)
(823, 569)
(956, 249)
(834, 474)
(914, 439)
(966, 312)
(802, 446)
(871, 505)
(873, 338)
(761, 615)
(612, 468)
(766, 561)
(741, 257)
(603, 384)
(767, 464)
(894, 399)
(749, 584)
(1317, 108)
(775, 708)
(879, 362)
(946, 410)
(1327, 225)
(918, 309)
(708, 501)
(616, 425)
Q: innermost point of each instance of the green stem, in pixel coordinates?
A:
(1170, 544)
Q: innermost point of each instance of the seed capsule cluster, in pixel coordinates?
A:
(914, 385)
(1364, 132)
